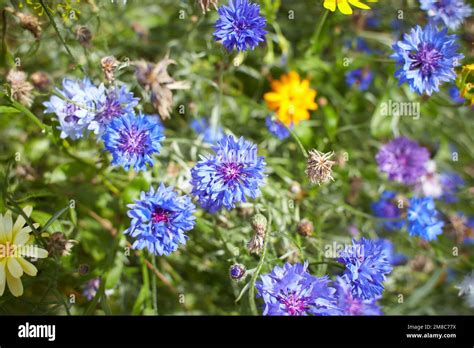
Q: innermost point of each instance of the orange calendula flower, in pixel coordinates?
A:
(291, 98)
(344, 6)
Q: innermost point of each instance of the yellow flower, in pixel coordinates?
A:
(291, 98)
(15, 243)
(345, 5)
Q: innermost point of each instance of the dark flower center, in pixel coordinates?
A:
(231, 171)
(70, 111)
(425, 59)
(295, 305)
(160, 214)
(133, 141)
(111, 109)
(240, 25)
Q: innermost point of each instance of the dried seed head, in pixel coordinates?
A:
(30, 23)
(259, 224)
(319, 167)
(155, 78)
(20, 88)
(255, 246)
(109, 64)
(206, 4)
(83, 35)
(421, 263)
(58, 244)
(305, 228)
(237, 272)
(40, 80)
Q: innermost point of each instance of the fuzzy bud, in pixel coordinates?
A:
(237, 272)
(259, 224)
(305, 228)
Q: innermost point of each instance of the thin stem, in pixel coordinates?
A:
(253, 306)
(297, 139)
(153, 287)
(315, 39)
(51, 19)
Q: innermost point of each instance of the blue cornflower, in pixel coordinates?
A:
(423, 218)
(394, 258)
(451, 183)
(234, 173)
(426, 58)
(455, 94)
(132, 140)
(350, 305)
(277, 128)
(77, 107)
(451, 13)
(111, 103)
(387, 209)
(160, 219)
(209, 133)
(291, 290)
(367, 262)
(240, 25)
(361, 78)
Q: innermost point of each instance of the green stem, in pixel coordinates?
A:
(29, 114)
(253, 305)
(297, 139)
(51, 19)
(153, 287)
(315, 39)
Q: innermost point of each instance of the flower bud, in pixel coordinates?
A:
(305, 228)
(237, 272)
(259, 224)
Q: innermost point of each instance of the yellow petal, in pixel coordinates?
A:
(21, 237)
(330, 5)
(359, 4)
(8, 224)
(15, 285)
(28, 267)
(3, 234)
(344, 7)
(33, 251)
(20, 221)
(14, 267)
(3, 278)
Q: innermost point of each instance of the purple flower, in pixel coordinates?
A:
(451, 183)
(367, 262)
(361, 78)
(291, 290)
(403, 160)
(91, 288)
(426, 58)
(160, 219)
(277, 128)
(132, 140)
(451, 13)
(230, 176)
(387, 209)
(240, 25)
(350, 305)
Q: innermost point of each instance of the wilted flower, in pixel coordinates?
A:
(403, 160)
(426, 58)
(132, 140)
(15, 244)
(240, 25)
(20, 88)
(160, 219)
(291, 290)
(155, 78)
(109, 64)
(319, 167)
(83, 35)
(40, 80)
(291, 98)
(230, 176)
(237, 272)
(423, 218)
(367, 263)
(58, 244)
(206, 4)
(28, 22)
(305, 228)
(421, 263)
